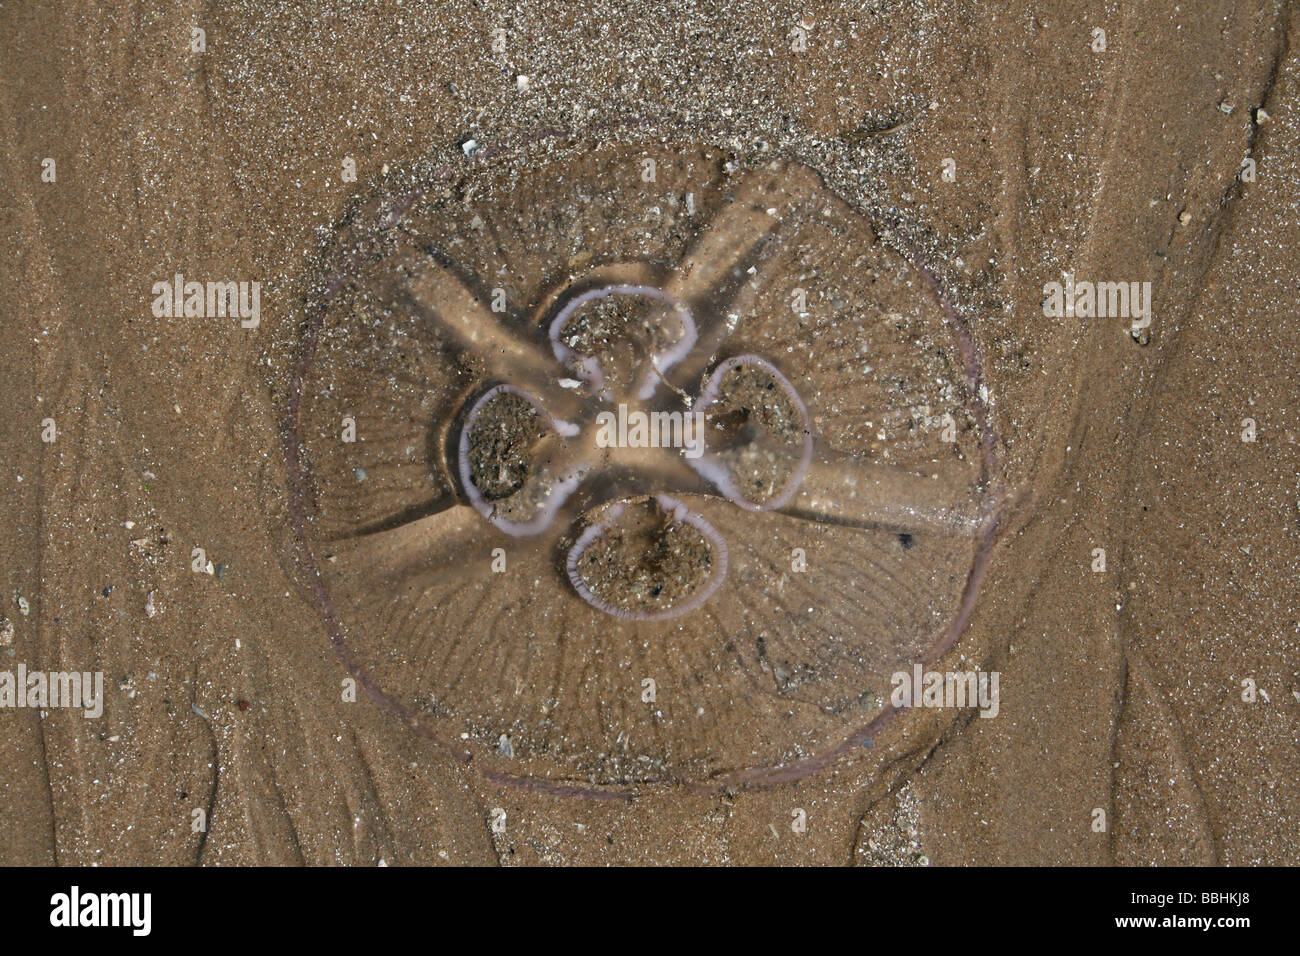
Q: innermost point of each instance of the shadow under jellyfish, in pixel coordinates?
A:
(799, 498)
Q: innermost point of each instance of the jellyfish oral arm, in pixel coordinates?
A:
(719, 272)
(508, 350)
(845, 489)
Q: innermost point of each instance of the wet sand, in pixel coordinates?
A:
(1121, 690)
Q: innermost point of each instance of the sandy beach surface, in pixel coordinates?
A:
(1149, 706)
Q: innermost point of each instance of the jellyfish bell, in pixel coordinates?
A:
(503, 572)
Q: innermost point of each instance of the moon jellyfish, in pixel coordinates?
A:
(659, 480)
